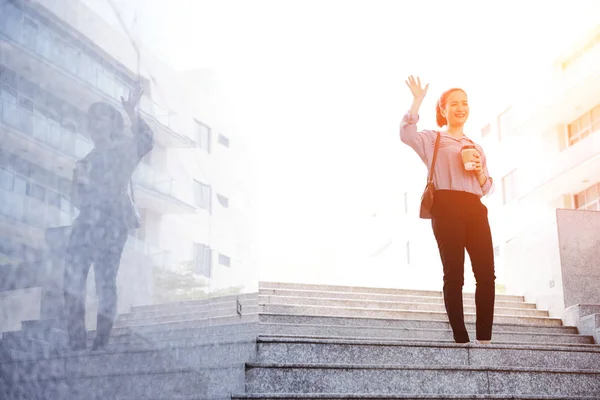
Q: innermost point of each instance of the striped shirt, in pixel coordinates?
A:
(449, 172)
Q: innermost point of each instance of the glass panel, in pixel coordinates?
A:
(37, 192)
(6, 180)
(580, 200)
(14, 205)
(584, 121)
(40, 129)
(10, 115)
(20, 186)
(44, 42)
(30, 34)
(53, 199)
(573, 128)
(13, 22)
(591, 194)
(67, 140)
(596, 114)
(54, 134)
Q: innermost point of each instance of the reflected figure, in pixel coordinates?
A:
(100, 191)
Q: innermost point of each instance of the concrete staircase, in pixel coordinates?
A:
(328, 342)
(296, 341)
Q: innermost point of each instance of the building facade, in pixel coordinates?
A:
(57, 58)
(545, 150)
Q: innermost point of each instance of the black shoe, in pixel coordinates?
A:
(99, 344)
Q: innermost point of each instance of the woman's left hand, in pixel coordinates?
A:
(478, 166)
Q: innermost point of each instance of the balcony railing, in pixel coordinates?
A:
(554, 169)
(584, 67)
(38, 39)
(38, 128)
(148, 177)
(31, 211)
(159, 256)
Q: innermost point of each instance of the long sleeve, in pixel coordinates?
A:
(487, 186)
(419, 141)
(144, 137)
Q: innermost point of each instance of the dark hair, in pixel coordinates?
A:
(441, 103)
(107, 109)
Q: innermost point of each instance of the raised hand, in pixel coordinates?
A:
(132, 102)
(415, 87)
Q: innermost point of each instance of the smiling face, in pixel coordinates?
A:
(456, 108)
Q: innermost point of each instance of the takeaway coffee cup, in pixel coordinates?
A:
(468, 156)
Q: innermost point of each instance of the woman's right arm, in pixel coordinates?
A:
(408, 127)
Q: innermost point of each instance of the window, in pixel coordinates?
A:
(224, 260)
(595, 116)
(405, 202)
(203, 136)
(408, 252)
(202, 195)
(202, 260)
(223, 140)
(6, 180)
(504, 125)
(30, 33)
(53, 199)
(508, 188)
(37, 191)
(13, 21)
(583, 126)
(588, 199)
(20, 185)
(224, 201)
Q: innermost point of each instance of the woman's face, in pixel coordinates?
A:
(456, 110)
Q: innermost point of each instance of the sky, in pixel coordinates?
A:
(318, 90)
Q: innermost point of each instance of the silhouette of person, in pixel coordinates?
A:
(106, 213)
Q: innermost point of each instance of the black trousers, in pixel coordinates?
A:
(460, 221)
(98, 238)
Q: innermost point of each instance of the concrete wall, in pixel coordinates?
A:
(579, 240)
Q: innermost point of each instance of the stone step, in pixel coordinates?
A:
(406, 379)
(182, 316)
(362, 322)
(174, 384)
(184, 323)
(198, 312)
(397, 314)
(467, 300)
(413, 334)
(132, 361)
(371, 290)
(207, 340)
(276, 350)
(194, 328)
(390, 305)
(339, 396)
(249, 298)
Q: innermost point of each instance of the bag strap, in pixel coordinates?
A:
(131, 190)
(435, 151)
